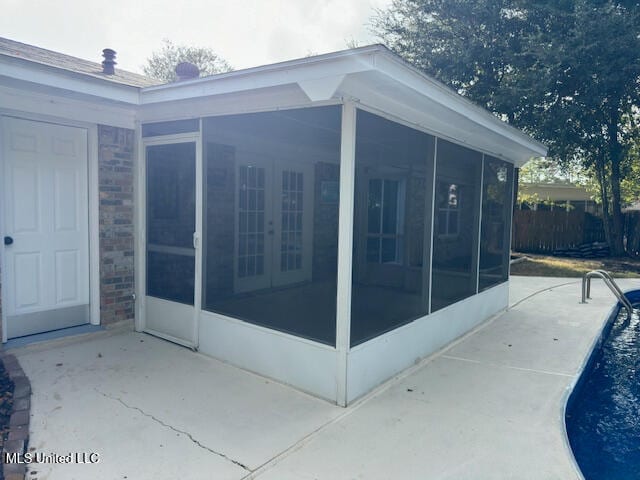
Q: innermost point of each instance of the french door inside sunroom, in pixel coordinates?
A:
(274, 224)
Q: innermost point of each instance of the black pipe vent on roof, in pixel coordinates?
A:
(109, 61)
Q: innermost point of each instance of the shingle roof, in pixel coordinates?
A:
(31, 53)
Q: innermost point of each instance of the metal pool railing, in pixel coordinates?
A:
(613, 286)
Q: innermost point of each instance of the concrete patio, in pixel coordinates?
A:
(489, 406)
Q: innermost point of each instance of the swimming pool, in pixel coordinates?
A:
(603, 411)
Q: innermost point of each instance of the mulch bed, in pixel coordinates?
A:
(622, 264)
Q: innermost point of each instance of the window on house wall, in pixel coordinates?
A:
(385, 220)
(497, 191)
(449, 205)
(455, 247)
(271, 219)
(392, 226)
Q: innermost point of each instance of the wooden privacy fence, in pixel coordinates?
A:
(546, 231)
(632, 232)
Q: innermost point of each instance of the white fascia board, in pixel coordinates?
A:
(63, 80)
(331, 66)
(404, 73)
(21, 102)
(276, 98)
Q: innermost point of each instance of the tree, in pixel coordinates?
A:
(162, 63)
(565, 71)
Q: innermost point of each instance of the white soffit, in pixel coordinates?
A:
(18, 101)
(464, 115)
(380, 92)
(321, 89)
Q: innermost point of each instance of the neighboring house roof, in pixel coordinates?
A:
(556, 191)
(11, 48)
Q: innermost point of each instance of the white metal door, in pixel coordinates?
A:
(46, 237)
(172, 258)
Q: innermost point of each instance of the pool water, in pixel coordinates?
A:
(603, 412)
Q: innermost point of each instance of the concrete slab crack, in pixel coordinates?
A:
(177, 430)
(574, 282)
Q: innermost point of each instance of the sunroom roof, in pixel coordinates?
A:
(375, 77)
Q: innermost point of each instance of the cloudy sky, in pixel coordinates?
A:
(245, 32)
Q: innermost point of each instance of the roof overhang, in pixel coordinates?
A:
(378, 79)
(372, 76)
(41, 78)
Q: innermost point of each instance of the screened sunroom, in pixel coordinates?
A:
(324, 222)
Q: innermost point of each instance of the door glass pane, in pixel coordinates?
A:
(251, 216)
(171, 221)
(292, 207)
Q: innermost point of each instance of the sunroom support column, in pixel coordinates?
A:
(479, 226)
(345, 247)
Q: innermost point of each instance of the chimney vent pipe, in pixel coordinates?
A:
(109, 61)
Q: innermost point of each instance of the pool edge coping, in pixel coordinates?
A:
(572, 388)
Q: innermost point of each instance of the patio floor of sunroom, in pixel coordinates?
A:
(488, 406)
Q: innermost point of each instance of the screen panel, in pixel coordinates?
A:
(271, 219)
(392, 226)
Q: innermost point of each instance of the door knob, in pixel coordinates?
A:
(8, 240)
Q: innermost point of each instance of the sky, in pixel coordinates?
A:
(246, 33)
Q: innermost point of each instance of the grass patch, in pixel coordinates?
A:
(546, 266)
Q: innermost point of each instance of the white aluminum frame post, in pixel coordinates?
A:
(345, 248)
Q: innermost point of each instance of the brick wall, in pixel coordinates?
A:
(220, 222)
(115, 179)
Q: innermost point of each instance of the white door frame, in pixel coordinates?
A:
(94, 210)
(141, 232)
